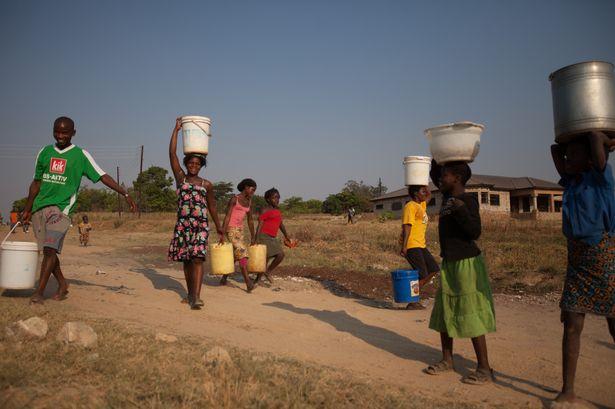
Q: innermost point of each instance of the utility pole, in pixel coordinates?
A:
(139, 190)
(119, 198)
(379, 187)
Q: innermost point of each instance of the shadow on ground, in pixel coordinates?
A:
(161, 281)
(18, 293)
(122, 289)
(609, 345)
(405, 348)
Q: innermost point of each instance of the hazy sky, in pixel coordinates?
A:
(303, 95)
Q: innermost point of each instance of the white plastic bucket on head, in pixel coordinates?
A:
(18, 265)
(196, 134)
(417, 170)
(459, 141)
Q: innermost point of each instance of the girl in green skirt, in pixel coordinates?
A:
(464, 305)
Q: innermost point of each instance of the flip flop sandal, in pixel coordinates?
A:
(438, 368)
(479, 377)
(199, 303)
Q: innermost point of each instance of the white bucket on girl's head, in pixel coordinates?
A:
(417, 170)
(18, 263)
(459, 141)
(196, 134)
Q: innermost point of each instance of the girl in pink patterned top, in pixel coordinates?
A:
(238, 209)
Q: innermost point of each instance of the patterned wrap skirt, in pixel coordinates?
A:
(235, 236)
(590, 278)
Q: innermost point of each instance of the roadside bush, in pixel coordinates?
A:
(384, 216)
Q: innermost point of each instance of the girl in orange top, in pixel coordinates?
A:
(238, 208)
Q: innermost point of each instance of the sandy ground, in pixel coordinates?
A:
(301, 319)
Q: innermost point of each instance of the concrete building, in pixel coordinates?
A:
(515, 196)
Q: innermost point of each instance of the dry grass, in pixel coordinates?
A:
(522, 256)
(129, 368)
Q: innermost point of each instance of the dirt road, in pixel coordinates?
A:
(122, 280)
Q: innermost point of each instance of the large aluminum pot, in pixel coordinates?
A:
(459, 141)
(583, 99)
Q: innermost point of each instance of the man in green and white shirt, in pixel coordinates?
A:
(53, 195)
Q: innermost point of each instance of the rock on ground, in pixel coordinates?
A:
(78, 333)
(217, 356)
(165, 337)
(34, 327)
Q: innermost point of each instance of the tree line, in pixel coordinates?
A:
(157, 194)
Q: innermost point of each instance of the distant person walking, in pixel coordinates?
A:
(84, 227)
(413, 237)
(53, 195)
(588, 222)
(195, 197)
(239, 208)
(350, 213)
(13, 218)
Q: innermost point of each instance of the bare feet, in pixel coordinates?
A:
(569, 401)
(61, 294)
(223, 280)
(250, 286)
(37, 299)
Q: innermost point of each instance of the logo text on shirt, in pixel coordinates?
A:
(57, 165)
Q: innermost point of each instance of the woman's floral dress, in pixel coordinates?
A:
(192, 227)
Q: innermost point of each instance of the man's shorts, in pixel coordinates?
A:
(422, 260)
(50, 227)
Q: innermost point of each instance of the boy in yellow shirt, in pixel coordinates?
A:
(413, 231)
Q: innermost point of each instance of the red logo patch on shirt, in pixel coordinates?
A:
(57, 165)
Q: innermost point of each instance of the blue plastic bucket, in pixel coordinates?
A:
(405, 285)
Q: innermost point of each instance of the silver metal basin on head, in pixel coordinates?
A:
(583, 99)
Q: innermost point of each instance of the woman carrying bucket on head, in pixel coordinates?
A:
(238, 208)
(195, 198)
(463, 306)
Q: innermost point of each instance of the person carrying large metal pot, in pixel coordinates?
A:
(584, 116)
